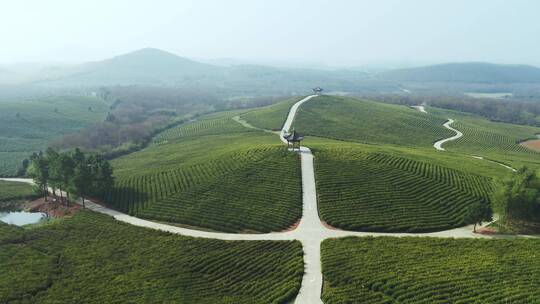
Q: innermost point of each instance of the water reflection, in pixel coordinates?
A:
(21, 218)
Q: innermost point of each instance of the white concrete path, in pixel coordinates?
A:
(438, 145)
(310, 232)
(420, 108)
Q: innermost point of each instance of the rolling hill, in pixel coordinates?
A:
(146, 67)
(212, 173)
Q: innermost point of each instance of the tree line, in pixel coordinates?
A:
(85, 175)
(516, 200)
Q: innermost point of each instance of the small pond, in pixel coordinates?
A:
(21, 218)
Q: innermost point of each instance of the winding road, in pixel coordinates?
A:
(310, 232)
(438, 145)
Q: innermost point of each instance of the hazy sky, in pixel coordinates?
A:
(349, 33)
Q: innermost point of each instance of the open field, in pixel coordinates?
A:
(27, 126)
(351, 119)
(532, 144)
(14, 191)
(366, 189)
(91, 258)
(430, 270)
(213, 174)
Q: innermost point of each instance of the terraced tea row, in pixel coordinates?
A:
(91, 258)
(370, 191)
(494, 140)
(214, 124)
(255, 190)
(357, 120)
(27, 126)
(14, 191)
(270, 117)
(430, 270)
(200, 175)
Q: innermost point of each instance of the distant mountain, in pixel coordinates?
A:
(157, 67)
(145, 66)
(472, 72)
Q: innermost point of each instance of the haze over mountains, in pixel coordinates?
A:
(156, 67)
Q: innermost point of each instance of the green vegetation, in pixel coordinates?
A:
(15, 191)
(478, 213)
(90, 258)
(215, 174)
(212, 124)
(366, 189)
(84, 175)
(357, 120)
(493, 140)
(271, 117)
(430, 270)
(27, 126)
(517, 201)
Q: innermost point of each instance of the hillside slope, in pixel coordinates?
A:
(365, 121)
(213, 174)
(27, 126)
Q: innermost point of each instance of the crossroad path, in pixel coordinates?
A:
(310, 231)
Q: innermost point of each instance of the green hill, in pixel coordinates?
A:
(430, 270)
(365, 188)
(271, 117)
(364, 121)
(27, 126)
(492, 140)
(145, 67)
(91, 258)
(214, 174)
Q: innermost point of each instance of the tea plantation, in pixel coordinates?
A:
(364, 121)
(27, 126)
(91, 258)
(271, 117)
(493, 140)
(15, 191)
(204, 174)
(379, 191)
(430, 270)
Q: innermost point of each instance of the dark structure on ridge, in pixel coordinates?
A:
(293, 140)
(318, 90)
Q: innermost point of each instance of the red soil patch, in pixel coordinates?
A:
(54, 207)
(294, 226)
(486, 230)
(532, 144)
(325, 224)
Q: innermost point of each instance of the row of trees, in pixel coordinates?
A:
(71, 172)
(516, 200)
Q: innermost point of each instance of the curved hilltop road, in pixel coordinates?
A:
(438, 144)
(310, 232)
